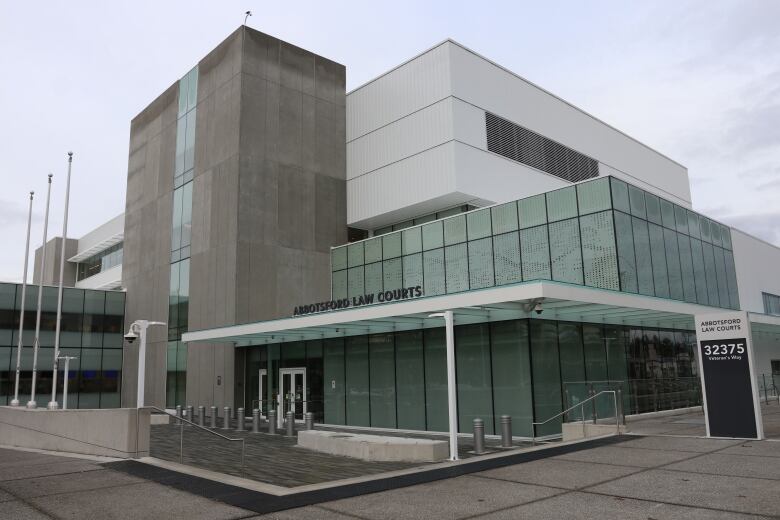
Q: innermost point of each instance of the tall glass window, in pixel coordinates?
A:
(565, 251)
(475, 385)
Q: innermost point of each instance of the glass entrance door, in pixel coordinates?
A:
(293, 390)
(262, 404)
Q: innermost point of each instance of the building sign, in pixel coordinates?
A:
(725, 351)
(358, 301)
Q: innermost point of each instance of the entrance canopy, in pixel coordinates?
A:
(559, 301)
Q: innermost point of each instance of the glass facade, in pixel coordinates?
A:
(602, 233)
(771, 303)
(106, 259)
(425, 218)
(91, 330)
(181, 239)
(530, 369)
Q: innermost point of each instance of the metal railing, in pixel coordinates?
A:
(581, 405)
(203, 428)
(768, 388)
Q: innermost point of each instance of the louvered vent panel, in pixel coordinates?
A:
(522, 145)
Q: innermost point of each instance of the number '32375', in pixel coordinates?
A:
(729, 348)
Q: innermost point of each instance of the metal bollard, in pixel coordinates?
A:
(309, 418)
(290, 425)
(201, 415)
(479, 436)
(506, 431)
(226, 419)
(255, 421)
(213, 417)
(272, 421)
(240, 420)
(190, 414)
(178, 412)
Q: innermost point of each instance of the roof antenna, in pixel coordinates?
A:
(248, 14)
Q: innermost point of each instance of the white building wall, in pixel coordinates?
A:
(398, 166)
(758, 269)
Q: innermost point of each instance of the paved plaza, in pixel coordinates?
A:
(652, 477)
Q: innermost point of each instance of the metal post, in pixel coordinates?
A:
(766, 394)
(181, 437)
(506, 431)
(178, 412)
(53, 403)
(290, 426)
(582, 414)
(37, 343)
(620, 405)
(309, 418)
(201, 415)
(141, 366)
(226, 419)
(213, 417)
(65, 384)
(452, 393)
(20, 343)
(240, 420)
(591, 393)
(255, 421)
(617, 417)
(272, 421)
(479, 436)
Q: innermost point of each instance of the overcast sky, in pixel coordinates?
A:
(698, 81)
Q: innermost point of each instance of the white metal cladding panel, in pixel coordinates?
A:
(756, 264)
(492, 179)
(427, 175)
(408, 88)
(403, 138)
(488, 86)
(469, 124)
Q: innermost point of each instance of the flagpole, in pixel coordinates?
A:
(53, 403)
(20, 344)
(36, 345)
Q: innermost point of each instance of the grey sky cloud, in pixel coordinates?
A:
(697, 81)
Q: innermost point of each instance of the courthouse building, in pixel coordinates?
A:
(296, 238)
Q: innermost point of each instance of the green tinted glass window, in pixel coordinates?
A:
(620, 195)
(391, 245)
(478, 223)
(373, 250)
(653, 204)
(715, 233)
(565, 251)
(339, 285)
(545, 366)
(506, 256)
(535, 253)
(481, 263)
(504, 218)
(725, 236)
(693, 224)
(658, 253)
(667, 214)
(712, 277)
(704, 226)
(374, 278)
(686, 268)
(382, 380)
(681, 219)
(413, 270)
(624, 233)
(673, 265)
(532, 211)
(512, 392)
(433, 269)
(475, 384)
(731, 278)
(410, 380)
(357, 378)
(333, 371)
(562, 204)
(637, 199)
(432, 235)
(599, 253)
(435, 352)
(355, 255)
(456, 267)
(412, 241)
(644, 264)
(720, 273)
(593, 196)
(338, 258)
(700, 277)
(355, 281)
(454, 230)
(392, 273)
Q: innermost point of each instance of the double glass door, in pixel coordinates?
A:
(292, 386)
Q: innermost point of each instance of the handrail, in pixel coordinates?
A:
(580, 405)
(181, 434)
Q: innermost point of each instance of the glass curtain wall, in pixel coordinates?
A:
(527, 369)
(106, 259)
(91, 331)
(181, 238)
(602, 233)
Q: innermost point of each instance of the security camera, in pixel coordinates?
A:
(131, 336)
(538, 308)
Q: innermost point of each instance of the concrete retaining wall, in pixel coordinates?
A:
(575, 430)
(374, 447)
(116, 432)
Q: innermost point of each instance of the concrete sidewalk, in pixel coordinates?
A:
(640, 478)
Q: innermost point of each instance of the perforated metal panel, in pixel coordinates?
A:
(522, 145)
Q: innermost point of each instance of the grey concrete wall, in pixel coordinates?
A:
(119, 432)
(51, 271)
(269, 200)
(146, 257)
